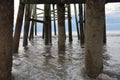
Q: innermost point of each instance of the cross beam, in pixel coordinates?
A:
(52, 1)
(60, 1)
(112, 1)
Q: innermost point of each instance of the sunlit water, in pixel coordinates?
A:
(40, 62)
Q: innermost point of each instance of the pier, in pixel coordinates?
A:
(90, 25)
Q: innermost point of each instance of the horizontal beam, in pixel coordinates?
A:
(59, 1)
(40, 21)
(52, 1)
(110, 1)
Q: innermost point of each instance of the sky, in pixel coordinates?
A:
(112, 11)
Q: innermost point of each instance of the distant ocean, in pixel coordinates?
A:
(40, 62)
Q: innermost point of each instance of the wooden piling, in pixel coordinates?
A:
(76, 20)
(104, 33)
(94, 37)
(6, 38)
(47, 24)
(43, 31)
(35, 28)
(61, 27)
(31, 36)
(69, 23)
(81, 24)
(54, 19)
(18, 27)
(35, 18)
(26, 25)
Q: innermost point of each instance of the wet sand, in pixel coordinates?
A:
(40, 62)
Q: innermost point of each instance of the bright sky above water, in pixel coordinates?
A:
(112, 15)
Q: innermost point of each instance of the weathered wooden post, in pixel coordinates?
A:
(43, 31)
(104, 33)
(76, 20)
(26, 25)
(61, 27)
(33, 11)
(35, 18)
(95, 20)
(69, 23)
(6, 38)
(18, 27)
(47, 24)
(54, 19)
(81, 24)
(31, 36)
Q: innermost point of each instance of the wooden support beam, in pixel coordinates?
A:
(18, 27)
(81, 24)
(76, 20)
(26, 25)
(104, 33)
(33, 13)
(35, 20)
(31, 35)
(47, 24)
(110, 1)
(61, 27)
(54, 19)
(43, 32)
(69, 23)
(35, 28)
(94, 37)
(53, 1)
(6, 38)
(61, 1)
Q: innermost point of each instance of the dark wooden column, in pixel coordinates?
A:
(69, 23)
(6, 38)
(33, 11)
(47, 24)
(18, 27)
(61, 27)
(54, 19)
(76, 20)
(95, 20)
(43, 31)
(104, 33)
(35, 18)
(81, 24)
(26, 25)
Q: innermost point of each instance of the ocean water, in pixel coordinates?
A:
(40, 62)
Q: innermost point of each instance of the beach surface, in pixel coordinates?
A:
(40, 62)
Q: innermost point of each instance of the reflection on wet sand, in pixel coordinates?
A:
(40, 62)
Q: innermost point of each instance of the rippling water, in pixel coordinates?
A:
(40, 62)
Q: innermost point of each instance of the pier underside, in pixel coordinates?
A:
(60, 1)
